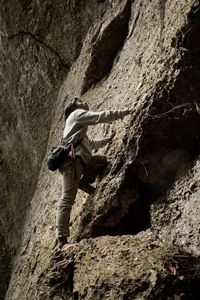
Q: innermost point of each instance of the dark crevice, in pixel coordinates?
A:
(184, 283)
(32, 36)
(5, 266)
(106, 46)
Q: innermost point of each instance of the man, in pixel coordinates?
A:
(82, 173)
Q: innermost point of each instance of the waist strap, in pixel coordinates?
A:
(73, 158)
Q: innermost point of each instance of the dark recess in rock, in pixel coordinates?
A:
(1, 156)
(5, 267)
(185, 282)
(106, 47)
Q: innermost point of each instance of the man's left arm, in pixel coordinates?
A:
(96, 144)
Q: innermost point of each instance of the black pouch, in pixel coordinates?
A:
(56, 157)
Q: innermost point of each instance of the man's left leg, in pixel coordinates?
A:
(69, 190)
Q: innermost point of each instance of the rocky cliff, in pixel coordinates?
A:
(139, 231)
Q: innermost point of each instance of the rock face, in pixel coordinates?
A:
(126, 267)
(139, 231)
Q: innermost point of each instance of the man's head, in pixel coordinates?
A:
(74, 104)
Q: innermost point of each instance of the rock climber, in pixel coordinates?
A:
(83, 172)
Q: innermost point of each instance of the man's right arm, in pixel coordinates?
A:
(85, 117)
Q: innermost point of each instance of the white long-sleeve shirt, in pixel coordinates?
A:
(76, 129)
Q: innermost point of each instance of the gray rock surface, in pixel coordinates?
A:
(141, 226)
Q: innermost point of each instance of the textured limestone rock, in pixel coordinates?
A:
(126, 267)
(39, 41)
(176, 217)
(157, 145)
(115, 54)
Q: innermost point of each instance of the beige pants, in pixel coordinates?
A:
(70, 187)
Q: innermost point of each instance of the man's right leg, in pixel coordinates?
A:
(95, 167)
(85, 186)
(69, 191)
